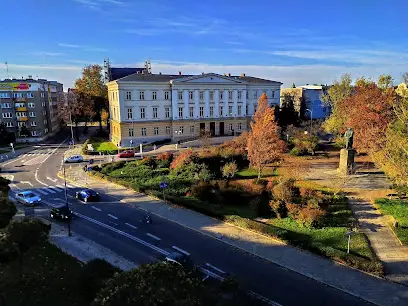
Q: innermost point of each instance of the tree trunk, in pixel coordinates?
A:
(100, 124)
(259, 173)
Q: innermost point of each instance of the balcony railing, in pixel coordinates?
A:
(21, 109)
(25, 118)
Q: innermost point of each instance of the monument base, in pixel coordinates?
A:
(346, 165)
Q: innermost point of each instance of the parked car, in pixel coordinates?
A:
(74, 159)
(87, 195)
(126, 154)
(28, 198)
(61, 212)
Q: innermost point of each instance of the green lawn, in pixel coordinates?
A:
(4, 151)
(49, 277)
(399, 210)
(102, 145)
(253, 173)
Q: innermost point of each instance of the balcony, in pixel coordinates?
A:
(21, 109)
(21, 99)
(22, 118)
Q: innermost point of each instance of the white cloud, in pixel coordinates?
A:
(68, 45)
(96, 4)
(85, 48)
(44, 53)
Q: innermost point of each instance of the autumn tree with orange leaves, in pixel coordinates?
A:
(264, 143)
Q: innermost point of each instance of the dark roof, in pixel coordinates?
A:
(169, 77)
(117, 73)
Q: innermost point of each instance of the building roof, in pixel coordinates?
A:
(139, 77)
(317, 87)
(118, 73)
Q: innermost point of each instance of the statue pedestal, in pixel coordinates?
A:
(346, 165)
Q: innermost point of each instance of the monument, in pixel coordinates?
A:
(346, 165)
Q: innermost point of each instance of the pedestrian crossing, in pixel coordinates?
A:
(36, 157)
(50, 190)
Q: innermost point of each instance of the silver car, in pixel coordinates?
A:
(74, 159)
(28, 198)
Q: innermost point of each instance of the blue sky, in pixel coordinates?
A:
(288, 41)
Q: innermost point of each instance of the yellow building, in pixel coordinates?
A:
(150, 107)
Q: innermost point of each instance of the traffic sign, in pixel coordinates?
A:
(164, 185)
(89, 168)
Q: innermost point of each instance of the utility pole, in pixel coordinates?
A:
(66, 196)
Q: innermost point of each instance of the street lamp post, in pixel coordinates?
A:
(66, 196)
(311, 120)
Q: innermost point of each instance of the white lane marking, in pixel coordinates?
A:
(96, 208)
(149, 245)
(153, 236)
(70, 186)
(215, 268)
(113, 217)
(55, 189)
(132, 226)
(49, 190)
(52, 180)
(180, 250)
(12, 185)
(60, 187)
(26, 182)
(41, 191)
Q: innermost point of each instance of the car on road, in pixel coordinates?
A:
(126, 154)
(180, 259)
(28, 198)
(74, 159)
(61, 212)
(87, 195)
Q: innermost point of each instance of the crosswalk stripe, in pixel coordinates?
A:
(55, 188)
(41, 191)
(60, 187)
(70, 186)
(50, 190)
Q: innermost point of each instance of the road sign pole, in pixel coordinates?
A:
(348, 244)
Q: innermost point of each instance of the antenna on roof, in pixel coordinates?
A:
(7, 69)
(148, 67)
(106, 68)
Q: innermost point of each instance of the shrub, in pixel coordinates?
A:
(279, 208)
(163, 160)
(305, 143)
(309, 216)
(203, 191)
(286, 191)
(229, 170)
(112, 167)
(296, 152)
(148, 161)
(84, 149)
(185, 157)
(293, 210)
(254, 205)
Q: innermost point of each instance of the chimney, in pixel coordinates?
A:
(242, 74)
(202, 73)
(179, 72)
(160, 73)
(229, 74)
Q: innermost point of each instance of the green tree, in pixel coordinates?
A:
(293, 85)
(335, 94)
(92, 89)
(405, 78)
(5, 136)
(7, 211)
(24, 132)
(288, 114)
(385, 81)
(229, 170)
(154, 284)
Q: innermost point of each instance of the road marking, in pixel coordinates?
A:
(70, 186)
(215, 268)
(96, 208)
(153, 236)
(113, 217)
(54, 188)
(41, 191)
(145, 243)
(180, 250)
(49, 190)
(60, 187)
(132, 226)
(26, 182)
(53, 180)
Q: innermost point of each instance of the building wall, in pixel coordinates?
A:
(314, 97)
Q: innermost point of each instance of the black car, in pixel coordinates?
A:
(87, 195)
(180, 259)
(61, 212)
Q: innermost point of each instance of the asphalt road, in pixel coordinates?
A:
(117, 226)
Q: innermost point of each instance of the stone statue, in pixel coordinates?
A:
(348, 135)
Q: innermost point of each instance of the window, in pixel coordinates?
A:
(167, 130)
(230, 95)
(131, 132)
(211, 111)
(255, 95)
(154, 112)
(167, 112)
(154, 95)
(180, 95)
(166, 95)
(220, 94)
(4, 95)
(130, 113)
(21, 124)
(201, 95)
(239, 110)
(9, 124)
(211, 95)
(230, 110)
(180, 112)
(128, 95)
(43, 104)
(246, 109)
(45, 113)
(156, 131)
(141, 95)
(30, 95)
(21, 114)
(273, 94)
(239, 126)
(181, 129)
(19, 105)
(201, 111)
(18, 95)
(247, 94)
(33, 123)
(192, 129)
(191, 111)
(42, 95)
(142, 113)
(31, 105)
(255, 108)
(6, 105)
(221, 111)
(190, 95)
(230, 127)
(144, 132)
(36, 133)
(45, 131)
(239, 95)
(45, 122)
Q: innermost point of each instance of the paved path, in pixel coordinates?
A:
(373, 289)
(363, 187)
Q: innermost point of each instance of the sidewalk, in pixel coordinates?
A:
(370, 288)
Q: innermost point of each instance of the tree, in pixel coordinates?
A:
(229, 170)
(205, 140)
(336, 93)
(385, 81)
(264, 144)
(405, 78)
(93, 91)
(24, 131)
(5, 136)
(7, 211)
(293, 85)
(288, 114)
